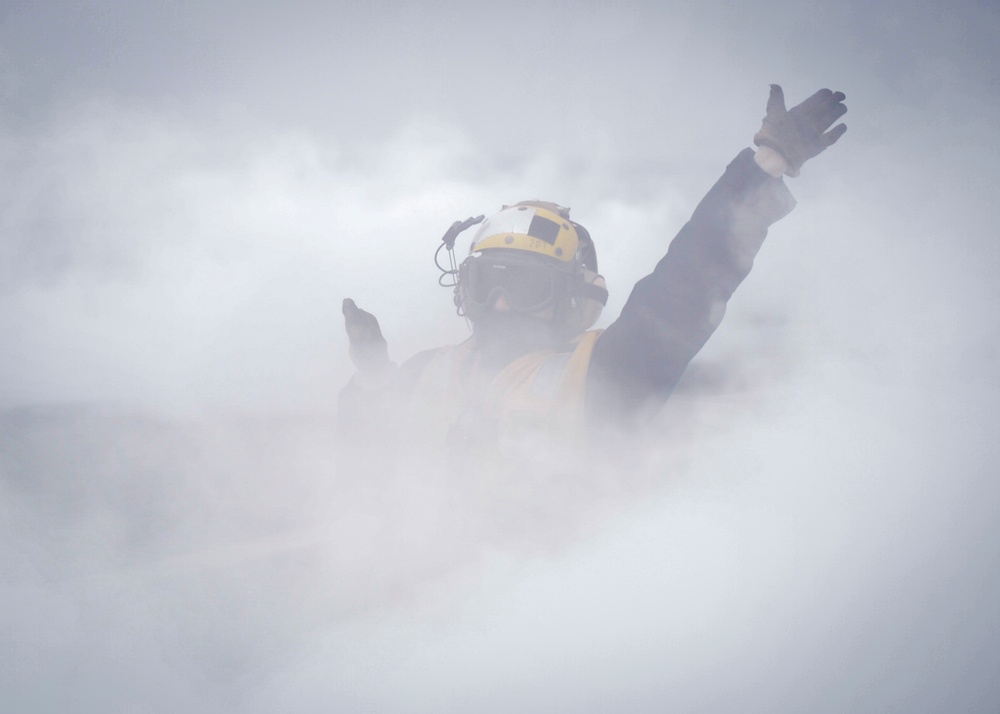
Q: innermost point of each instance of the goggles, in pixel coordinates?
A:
(527, 284)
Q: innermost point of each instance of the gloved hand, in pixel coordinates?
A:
(368, 348)
(798, 133)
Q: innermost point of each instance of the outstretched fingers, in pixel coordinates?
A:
(361, 325)
(830, 137)
(776, 101)
(798, 133)
(832, 111)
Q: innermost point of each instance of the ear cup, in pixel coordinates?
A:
(587, 252)
(588, 309)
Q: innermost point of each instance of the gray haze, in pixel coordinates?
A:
(186, 195)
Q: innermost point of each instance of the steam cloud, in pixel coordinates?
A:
(811, 524)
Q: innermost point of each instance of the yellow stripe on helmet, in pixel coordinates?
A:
(529, 228)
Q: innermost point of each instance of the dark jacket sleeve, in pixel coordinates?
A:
(673, 311)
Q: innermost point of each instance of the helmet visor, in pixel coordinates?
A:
(527, 285)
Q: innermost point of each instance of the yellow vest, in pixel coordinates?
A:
(536, 400)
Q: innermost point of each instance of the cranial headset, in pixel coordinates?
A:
(533, 256)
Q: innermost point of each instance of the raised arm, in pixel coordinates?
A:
(673, 311)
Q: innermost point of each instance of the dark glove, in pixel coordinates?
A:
(368, 348)
(798, 133)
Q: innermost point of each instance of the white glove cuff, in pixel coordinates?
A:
(771, 161)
